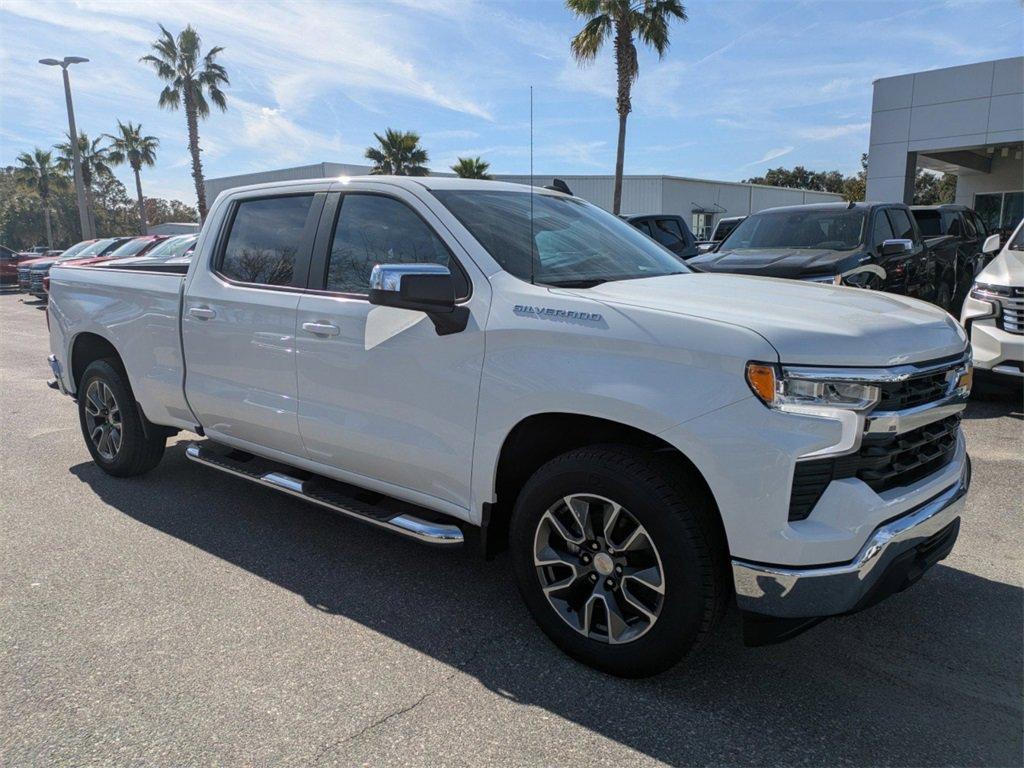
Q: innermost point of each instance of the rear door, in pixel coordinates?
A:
(920, 267)
(382, 398)
(238, 320)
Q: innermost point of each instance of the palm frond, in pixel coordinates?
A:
(586, 45)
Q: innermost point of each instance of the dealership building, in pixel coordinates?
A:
(702, 203)
(966, 120)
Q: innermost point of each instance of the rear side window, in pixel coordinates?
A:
(373, 229)
(264, 240)
(882, 229)
(901, 224)
(668, 233)
(930, 223)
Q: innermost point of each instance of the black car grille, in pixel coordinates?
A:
(883, 462)
(916, 390)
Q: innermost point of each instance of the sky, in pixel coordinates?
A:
(745, 85)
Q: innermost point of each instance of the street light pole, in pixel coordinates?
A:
(83, 205)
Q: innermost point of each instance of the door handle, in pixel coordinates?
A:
(202, 313)
(321, 329)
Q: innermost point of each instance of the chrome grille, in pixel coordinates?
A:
(24, 277)
(1011, 311)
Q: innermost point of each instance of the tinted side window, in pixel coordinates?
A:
(929, 222)
(968, 225)
(901, 224)
(956, 226)
(882, 229)
(373, 229)
(979, 225)
(643, 226)
(667, 232)
(264, 239)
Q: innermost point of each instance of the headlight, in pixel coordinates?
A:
(776, 389)
(986, 292)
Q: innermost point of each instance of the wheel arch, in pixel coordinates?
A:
(86, 348)
(538, 438)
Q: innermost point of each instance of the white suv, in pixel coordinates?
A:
(993, 313)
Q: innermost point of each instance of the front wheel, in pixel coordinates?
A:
(619, 563)
(119, 438)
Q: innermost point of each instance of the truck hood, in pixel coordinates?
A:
(807, 323)
(777, 262)
(1005, 269)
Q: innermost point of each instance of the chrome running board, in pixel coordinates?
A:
(337, 497)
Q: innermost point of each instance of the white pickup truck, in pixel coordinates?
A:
(439, 356)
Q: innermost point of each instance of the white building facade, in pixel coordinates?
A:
(966, 120)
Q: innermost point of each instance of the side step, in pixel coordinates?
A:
(367, 506)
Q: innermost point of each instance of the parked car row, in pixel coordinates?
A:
(31, 275)
(928, 252)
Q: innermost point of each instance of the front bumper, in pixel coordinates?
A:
(893, 558)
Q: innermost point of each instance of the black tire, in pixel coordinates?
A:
(141, 443)
(682, 524)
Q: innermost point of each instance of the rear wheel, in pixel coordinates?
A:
(119, 437)
(619, 564)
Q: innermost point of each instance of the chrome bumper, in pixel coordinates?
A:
(55, 367)
(829, 590)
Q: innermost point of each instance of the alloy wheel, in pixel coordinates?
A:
(599, 568)
(103, 417)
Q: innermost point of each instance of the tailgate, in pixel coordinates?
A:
(135, 312)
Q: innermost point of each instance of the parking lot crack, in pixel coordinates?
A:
(481, 650)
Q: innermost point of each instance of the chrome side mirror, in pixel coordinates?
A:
(897, 247)
(991, 244)
(426, 288)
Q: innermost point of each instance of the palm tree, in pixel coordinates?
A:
(471, 168)
(648, 19)
(191, 78)
(94, 159)
(39, 173)
(137, 150)
(399, 154)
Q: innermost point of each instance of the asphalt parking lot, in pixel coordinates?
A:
(189, 618)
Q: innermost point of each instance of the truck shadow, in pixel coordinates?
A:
(931, 677)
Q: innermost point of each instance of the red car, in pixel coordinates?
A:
(8, 267)
(136, 246)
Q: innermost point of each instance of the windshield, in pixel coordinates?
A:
(834, 230)
(91, 250)
(172, 248)
(75, 249)
(573, 243)
(130, 248)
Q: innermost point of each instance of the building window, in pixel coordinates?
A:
(1000, 211)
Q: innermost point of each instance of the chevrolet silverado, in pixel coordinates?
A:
(444, 357)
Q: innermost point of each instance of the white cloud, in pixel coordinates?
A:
(771, 154)
(825, 132)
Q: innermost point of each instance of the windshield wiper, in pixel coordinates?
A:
(576, 283)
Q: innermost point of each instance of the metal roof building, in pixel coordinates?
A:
(700, 201)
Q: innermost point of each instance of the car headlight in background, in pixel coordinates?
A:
(820, 393)
(987, 292)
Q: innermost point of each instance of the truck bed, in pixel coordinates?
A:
(138, 311)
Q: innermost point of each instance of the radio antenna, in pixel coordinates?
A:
(533, 245)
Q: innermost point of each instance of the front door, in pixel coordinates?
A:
(384, 399)
(238, 322)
